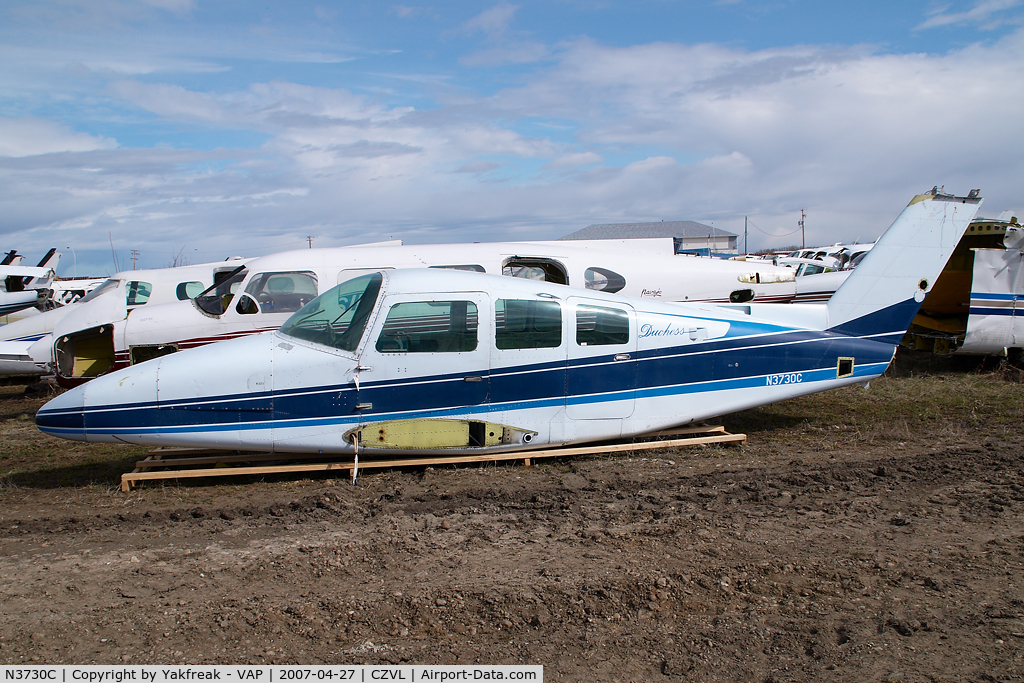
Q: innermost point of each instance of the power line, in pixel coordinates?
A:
(785, 234)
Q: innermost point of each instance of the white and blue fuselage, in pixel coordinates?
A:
(413, 361)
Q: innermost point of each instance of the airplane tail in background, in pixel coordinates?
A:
(883, 294)
(49, 262)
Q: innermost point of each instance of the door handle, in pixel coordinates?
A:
(364, 406)
(473, 378)
(622, 356)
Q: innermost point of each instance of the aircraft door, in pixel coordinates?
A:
(425, 356)
(602, 360)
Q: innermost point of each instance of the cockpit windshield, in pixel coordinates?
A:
(216, 299)
(107, 285)
(338, 317)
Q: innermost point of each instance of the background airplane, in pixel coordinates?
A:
(264, 294)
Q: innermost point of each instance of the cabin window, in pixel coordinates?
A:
(810, 269)
(741, 296)
(545, 269)
(429, 327)
(472, 267)
(600, 326)
(282, 292)
(188, 290)
(603, 280)
(216, 298)
(337, 317)
(527, 324)
(137, 293)
(246, 305)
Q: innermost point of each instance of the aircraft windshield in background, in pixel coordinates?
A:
(26, 346)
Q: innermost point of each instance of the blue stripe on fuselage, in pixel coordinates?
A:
(699, 367)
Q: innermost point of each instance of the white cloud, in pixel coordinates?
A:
(600, 134)
(515, 53)
(29, 136)
(175, 6)
(493, 21)
(981, 13)
(575, 159)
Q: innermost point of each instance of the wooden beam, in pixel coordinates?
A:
(156, 459)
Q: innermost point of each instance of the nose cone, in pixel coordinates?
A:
(104, 408)
(168, 400)
(63, 416)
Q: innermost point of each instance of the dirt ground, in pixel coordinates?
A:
(860, 535)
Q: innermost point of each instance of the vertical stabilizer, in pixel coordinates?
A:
(50, 263)
(882, 295)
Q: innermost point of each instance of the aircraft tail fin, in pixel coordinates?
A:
(50, 260)
(50, 263)
(883, 294)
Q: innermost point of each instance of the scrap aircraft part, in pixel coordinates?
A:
(144, 352)
(437, 360)
(996, 319)
(973, 305)
(12, 302)
(87, 304)
(15, 359)
(85, 354)
(437, 434)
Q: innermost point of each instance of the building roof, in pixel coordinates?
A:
(678, 229)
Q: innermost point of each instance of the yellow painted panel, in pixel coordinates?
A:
(93, 356)
(418, 434)
(437, 434)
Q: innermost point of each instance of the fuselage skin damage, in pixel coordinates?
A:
(414, 361)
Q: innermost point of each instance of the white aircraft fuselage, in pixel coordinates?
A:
(417, 361)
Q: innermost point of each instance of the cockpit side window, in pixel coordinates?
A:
(430, 327)
(600, 326)
(338, 317)
(137, 293)
(216, 298)
(527, 324)
(188, 290)
(603, 280)
(282, 292)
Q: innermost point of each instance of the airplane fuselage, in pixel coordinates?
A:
(522, 365)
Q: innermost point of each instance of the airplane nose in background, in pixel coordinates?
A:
(64, 415)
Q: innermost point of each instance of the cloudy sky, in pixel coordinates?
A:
(200, 129)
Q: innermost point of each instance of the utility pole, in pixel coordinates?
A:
(310, 238)
(803, 242)
(135, 259)
(745, 252)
